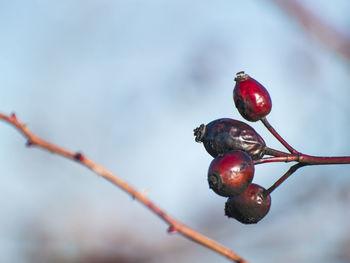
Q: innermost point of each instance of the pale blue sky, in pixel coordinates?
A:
(127, 81)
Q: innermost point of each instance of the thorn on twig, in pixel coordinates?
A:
(143, 193)
(79, 157)
(29, 143)
(199, 133)
(13, 116)
(172, 230)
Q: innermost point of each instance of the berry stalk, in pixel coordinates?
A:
(277, 136)
(306, 159)
(316, 160)
(284, 177)
(273, 152)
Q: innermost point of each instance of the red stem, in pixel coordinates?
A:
(293, 156)
(278, 137)
(286, 159)
(306, 159)
(296, 156)
(273, 152)
(284, 177)
(309, 159)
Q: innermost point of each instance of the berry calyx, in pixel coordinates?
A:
(231, 173)
(223, 135)
(251, 98)
(250, 206)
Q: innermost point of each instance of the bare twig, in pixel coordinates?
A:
(328, 35)
(174, 225)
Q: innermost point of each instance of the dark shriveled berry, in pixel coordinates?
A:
(231, 173)
(251, 98)
(223, 135)
(249, 207)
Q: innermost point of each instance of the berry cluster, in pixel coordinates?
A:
(237, 148)
(234, 146)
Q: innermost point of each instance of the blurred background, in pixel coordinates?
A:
(126, 82)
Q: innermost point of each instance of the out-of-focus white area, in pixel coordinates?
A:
(126, 82)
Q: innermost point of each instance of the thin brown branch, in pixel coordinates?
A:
(174, 225)
(328, 35)
(284, 177)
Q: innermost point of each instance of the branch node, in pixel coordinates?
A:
(171, 230)
(30, 143)
(79, 157)
(13, 116)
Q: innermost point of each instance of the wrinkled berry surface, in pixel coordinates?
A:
(231, 173)
(249, 207)
(251, 98)
(223, 135)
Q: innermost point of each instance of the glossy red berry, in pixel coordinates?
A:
(251, 98)
(231, 173)
(249, 207)
(223, 135)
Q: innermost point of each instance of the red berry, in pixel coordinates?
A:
(230, 174)
(223, 135)
(249, 207)
(251, 98)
